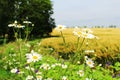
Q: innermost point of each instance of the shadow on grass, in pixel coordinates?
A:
(31, 38)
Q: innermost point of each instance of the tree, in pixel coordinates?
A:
(37, 11)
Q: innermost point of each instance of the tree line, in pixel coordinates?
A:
(37, 11)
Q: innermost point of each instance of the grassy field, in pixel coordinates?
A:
(51, 59)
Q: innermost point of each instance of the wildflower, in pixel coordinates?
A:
(58, 64)
(108, 63)
(78, 33)
(15, 22)
(78, 62)
(33, 25)
(90, 63)
(60, 28)
(14, 70)
(81, 73)
(86, 57)
(19, 26)
(39, 77)
(53, 65)
(87, 30)
(27, 22)
(64, 66)
(29, 68)
(45, 66)
(64, 78)
(33, 57)
(89, 51)
(11, 25)
(29, 77)
(90, 36)
(100, 65)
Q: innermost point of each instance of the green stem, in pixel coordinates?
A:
(77, 52)
(27, 33)
(78, 42)
(63, 37)
(20, 53)
(82, 43)
(32, 72)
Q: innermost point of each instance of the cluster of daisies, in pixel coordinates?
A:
(33, 57)
(85, 33)
(18, 25)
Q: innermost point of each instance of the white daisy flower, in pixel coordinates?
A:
(78, 33)
(14, 70)
(90, 63)
(64, 66)
(29, 77)
(60, 27)
(64, 78)
(29, 68)
(81, 73)
(88, 79)
(33, 57)
(87, 30)
(39, 77)
(45, 66)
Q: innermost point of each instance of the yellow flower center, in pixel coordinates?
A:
(60, 27)
(79, 33)
(39, 76)
(35, 57)
(81, 72)
(89, 62)
(19, 25)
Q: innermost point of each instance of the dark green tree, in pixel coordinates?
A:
(37, 11)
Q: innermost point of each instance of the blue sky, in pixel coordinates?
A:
(87, 12)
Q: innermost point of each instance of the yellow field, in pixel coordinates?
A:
(108, 43)
(109, 36)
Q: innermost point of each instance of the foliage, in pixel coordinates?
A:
(37, 11)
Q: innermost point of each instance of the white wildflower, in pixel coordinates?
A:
(45, 66)
(60, 27)
(64, 78)
(33, 57)
(64, 66)
(29, 77)
(81, 73)
(14, 70)
(90, 63)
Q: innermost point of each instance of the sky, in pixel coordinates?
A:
(86, 12)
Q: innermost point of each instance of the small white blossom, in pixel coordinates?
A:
(29, 77)
(60, 28)
(29, 68)
(90, 63)
(64, 78)
(81, 73)
(27, 22)
(39, 77)
(45, 66)
(64, 66)
(14, 70)
(88, 79)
